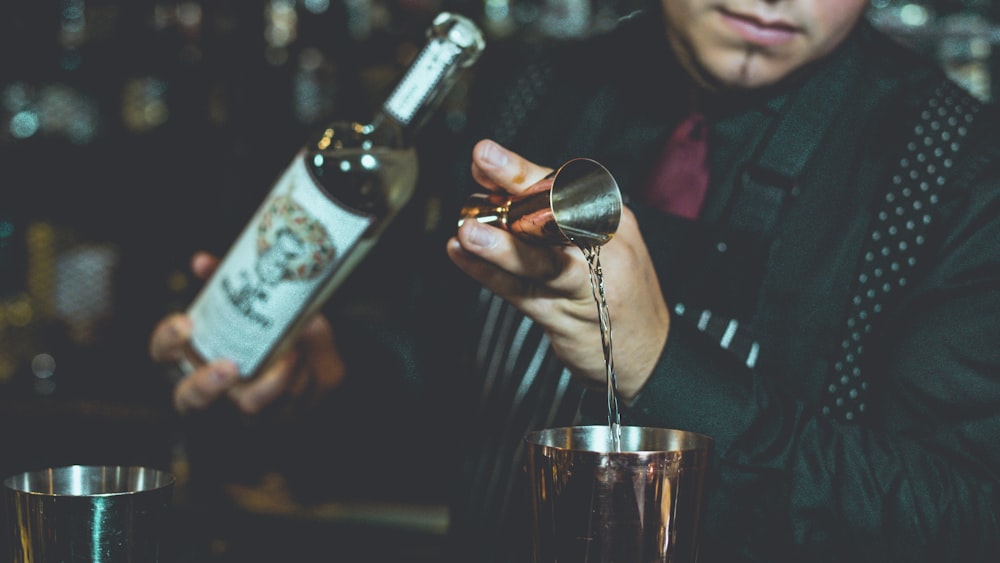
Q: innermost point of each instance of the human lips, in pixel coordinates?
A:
(757, 30)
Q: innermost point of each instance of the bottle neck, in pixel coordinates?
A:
(454, 44)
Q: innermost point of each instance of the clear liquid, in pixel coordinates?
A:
(593, 256)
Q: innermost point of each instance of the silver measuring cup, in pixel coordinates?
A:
(578, 203)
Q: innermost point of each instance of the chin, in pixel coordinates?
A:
(747, 75)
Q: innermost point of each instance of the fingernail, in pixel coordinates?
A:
(481, 236)
(180, 328)
(225, 372)
(494, 155)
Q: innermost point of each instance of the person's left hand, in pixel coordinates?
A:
(551, 283)
(299, 378)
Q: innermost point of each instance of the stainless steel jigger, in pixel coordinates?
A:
(578, 203)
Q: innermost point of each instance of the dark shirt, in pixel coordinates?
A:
(896, 463)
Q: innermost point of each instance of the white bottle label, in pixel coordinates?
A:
(289, 250)
(420, 80)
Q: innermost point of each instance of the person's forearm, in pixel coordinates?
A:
(818, 487)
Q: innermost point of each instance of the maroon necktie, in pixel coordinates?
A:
(680, 180)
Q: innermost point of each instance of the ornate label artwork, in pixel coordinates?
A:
(285, 254)
(292, 246)
(289, 239)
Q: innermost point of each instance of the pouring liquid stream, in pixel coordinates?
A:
(593, 255)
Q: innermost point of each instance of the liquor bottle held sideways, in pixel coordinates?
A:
(324, 214)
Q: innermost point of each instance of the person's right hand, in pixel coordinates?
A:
(551, 283)
(306, 373)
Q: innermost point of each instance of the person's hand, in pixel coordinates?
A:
(551, 283)
(304, 374)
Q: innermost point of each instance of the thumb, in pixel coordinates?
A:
(495, 167)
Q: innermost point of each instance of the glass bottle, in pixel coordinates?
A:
(325, 213)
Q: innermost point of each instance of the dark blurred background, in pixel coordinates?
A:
(133, 132)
